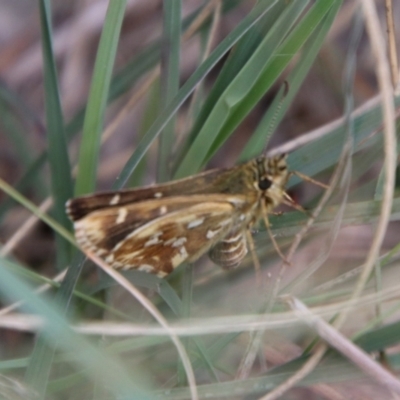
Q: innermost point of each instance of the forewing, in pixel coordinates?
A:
(156, 236)
(197, 184)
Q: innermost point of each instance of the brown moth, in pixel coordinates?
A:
(157, 228)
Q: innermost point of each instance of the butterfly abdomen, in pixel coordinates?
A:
(229, 252)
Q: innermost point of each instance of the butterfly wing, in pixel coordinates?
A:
(157, 235)
(197, 184)
(235, 181)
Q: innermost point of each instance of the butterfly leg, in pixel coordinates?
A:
(274, 242)
(256, 261)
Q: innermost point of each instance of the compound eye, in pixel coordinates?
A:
(264, 184)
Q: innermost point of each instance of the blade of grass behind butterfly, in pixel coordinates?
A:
(60, 170)
(287, 92)
(238, 90)
(284, 54)
(97, 101)
(256, 13)
(170, 72)
(237, 58)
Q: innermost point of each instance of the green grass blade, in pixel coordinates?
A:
(61, 180)
(39, 366)
(99, 89)
(170, 72)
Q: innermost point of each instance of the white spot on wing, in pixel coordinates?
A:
(117, 264)
(110, 258)
(224, 223)
(115, 200)
(145, 268)
(210, 233)
(158, 195)
(122, 213)
(195, 222)
(168, 242)
(163, 210)
(179, 242)
(153, 240)
(180, 257)
(235, 201)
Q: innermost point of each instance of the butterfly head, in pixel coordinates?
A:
(272, 176)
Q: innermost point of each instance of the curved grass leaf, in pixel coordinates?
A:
(61, 180)
(99, 91)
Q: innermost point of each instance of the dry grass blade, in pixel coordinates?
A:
(394, 66)
(338, 341)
